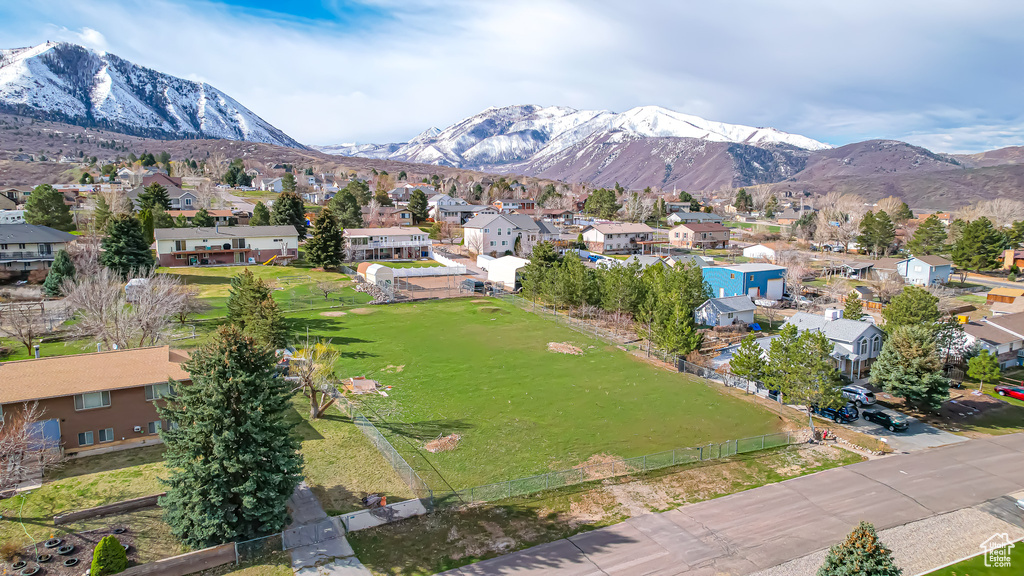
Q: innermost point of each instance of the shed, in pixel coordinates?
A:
(506, 270)
(483, 261)
(378, 275)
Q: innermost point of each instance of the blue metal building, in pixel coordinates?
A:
(754, 280)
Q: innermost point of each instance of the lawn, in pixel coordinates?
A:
(976, 566)
(481, 369)
(416, 264)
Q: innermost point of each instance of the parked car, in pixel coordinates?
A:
(472, 286)
(859, 395)
(893, 423)
(842, 415)
(1011, 391)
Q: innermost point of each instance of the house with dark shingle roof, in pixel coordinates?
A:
(497, 234)
(857, 342)
(27, 247)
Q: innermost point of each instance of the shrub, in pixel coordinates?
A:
(109, 557)
(9, 551)
(37, 276)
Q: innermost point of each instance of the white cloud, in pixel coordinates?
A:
(834, 71)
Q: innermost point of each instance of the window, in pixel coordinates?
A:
(85, 438)
(155, 427)
(864, 346)
(492, 242)
(21, 246)
(188, 201)
(179, 245)
(917, 268)
(487, 230)
(92, 400)
(876, 344)
(107, 435)
(499, 231)
(732, 276)
(179, 256)
(154, 391)
(3, 246)
(504, 243)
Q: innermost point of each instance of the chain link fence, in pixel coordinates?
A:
(257, 549)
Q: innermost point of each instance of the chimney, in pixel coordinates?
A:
(37, 350)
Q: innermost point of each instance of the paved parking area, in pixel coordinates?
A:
(765, 527)
(917, 437)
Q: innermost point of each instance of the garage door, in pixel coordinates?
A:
(774, 291)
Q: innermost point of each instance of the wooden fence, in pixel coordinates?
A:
(109, 509)
(186, 563)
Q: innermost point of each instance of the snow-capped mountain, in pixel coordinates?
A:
(529, 136)
(68, 83)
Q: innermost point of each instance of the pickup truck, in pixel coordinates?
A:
(842, 415)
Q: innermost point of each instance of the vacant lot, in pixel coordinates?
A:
(483, 369)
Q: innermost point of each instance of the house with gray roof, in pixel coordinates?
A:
(497, 234)
(856, 342)
(925, 270)
(226, 245)
(28, 247)
(725, 311)
(180, 199)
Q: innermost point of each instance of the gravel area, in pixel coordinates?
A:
(921, 546)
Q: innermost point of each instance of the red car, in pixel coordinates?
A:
(1011, 391)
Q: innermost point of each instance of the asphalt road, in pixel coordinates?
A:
(765, 527)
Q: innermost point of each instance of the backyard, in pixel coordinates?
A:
(482, 369)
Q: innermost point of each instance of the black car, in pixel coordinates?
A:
(842, 415)
(893, 423)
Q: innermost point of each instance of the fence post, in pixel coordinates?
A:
(236, 550)
(471, 499)
(509, 488)
(762, 442)
(701, 453)
(673, 456)
(645, 463)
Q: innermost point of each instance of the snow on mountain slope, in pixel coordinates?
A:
(533, 138)
(68, 83)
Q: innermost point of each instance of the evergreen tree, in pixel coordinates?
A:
(867, 237)
(153, 196)
(289, 209)
(346, 210)
(744, 202)
(252, 308)
(801, 368)
(911, 306)
(260, 215)
(382, 198)
(46, 207)
(622, 289)
(202, 219)
(181, 221)
(672, 295)
(885, 233)
(61, 269)
(418, 206)
(983, 367)
(909, 367)
(602, 203)
(748, 359)
(232, 458)
(929, 239)
(771, 207)
(854, 309)
(102, 212)
(980, 246)
(862, 554)
(903, 213)
(288, 183)
(325, 249)
(145, 217)
(108, 557)
(1015, 234)
(267, 326)
(161, 219)
(124, 248)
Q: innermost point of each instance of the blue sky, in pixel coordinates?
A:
(946, 75)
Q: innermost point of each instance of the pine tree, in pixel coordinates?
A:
(862, 554)
(154, 196)
(346, 210)
(382, 198)
(46, 207)
(748, 359)
(325, 249)
(108, 557)
(929, 239)
(868, 238)
(983, 367)
(202, 219)
(252, 308)
(266, 325)
(161, 219)
(61, 269)
(181, 221)
(909, 367)
(289, 209)
(102, 212)
(885, 233)
(146, 222)
(418, 206)
(903, 213)
(124, 248)
(980, 247)
(288, 183)
(854, 309)
(666, 318)
(232, 459)
(913, 305)
(260, 215)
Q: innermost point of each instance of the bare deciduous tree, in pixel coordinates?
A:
(25, 451)
(770, 311)
(190, 303)
(327, 288)
(313, 365)
(889, 286)
(637, 208)
(23, 322)
(447, 231)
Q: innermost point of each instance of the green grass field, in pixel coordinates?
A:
(976, 566)
(416, 264)
(481, 368)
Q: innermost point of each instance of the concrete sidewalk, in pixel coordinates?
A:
(317, 542)
(765, 527)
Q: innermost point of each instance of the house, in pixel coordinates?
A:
(180, 199)
(7, 202)
(100, 401)
(386, 243)
(788, 217)
(27, 247)
(510, 204)
(17, 196)
(1013, 258)
(617, 237)
(225, 245)
(270, 184)
(12, 216)
(386, 216)
(500, 233)
(725, 311)
(925, 271)
(1001, 335)
(1005, 295)
(443, 200)
(760, 252)
(224, 217)
(161, 179)
(556, 215)
(695, 218)
(505, 270)
(857, 343)
(699, 236)
(675, 206)
(645, 260)
(404, 192)
(754, 280)
(855, 270)
(459, 213)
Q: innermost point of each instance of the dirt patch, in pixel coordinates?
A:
(601, 466)
(333, 313)
(443, 444)
(362, 311)
(479, 301)
(491, 310)
(84, 543)
(564, 348)
(392, 369)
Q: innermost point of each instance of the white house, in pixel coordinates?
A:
(180, 199)
(759, 252)
(444, 200)
(498, 233)
(506, 270)
(617, 237)
(459, 213)
(1001, 335)
(225, 245)
(387, 243)
(271, 184)
(725, 311)
(856, 343)
(12, 216)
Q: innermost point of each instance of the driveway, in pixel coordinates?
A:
(917, 437)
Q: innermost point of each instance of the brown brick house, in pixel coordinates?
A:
(699, 235)
(101, 401)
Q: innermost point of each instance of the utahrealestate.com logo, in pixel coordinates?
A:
(997, 551)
